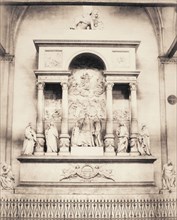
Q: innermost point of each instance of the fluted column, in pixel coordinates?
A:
(134, 118)
(40, 126)
(109, 137)
(64, 137)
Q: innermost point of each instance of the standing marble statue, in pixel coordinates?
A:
(75, 135)
(144, 141)
(51, 135)
(97, 132)
(168, 176)
(122, 134)
(29, 141)
(6, 177)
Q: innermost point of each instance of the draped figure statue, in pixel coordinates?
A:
(122, 134)
(51, 135)
(29, 141)
(144, 141)
(75, 135)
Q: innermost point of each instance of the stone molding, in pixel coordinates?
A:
(7, 57)
(166, 60)
(102, 159)
(103, 2)
(76, 43)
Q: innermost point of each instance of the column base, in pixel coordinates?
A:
(109, 145)
(134, 145)
(64, 144)
(39, 149)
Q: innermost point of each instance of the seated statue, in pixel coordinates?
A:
(6, 177)
(85, 137)
(168, 176)
(144, 141)
(122, 135)
(29, 141)
(51, 135)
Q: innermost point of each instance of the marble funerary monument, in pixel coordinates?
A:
(86, 117)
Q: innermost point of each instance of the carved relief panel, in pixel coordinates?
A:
(121, 104)
(86, 94)
(51, 59)
(53, 102)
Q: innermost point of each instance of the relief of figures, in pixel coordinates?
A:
(100, 87)
(51, 135)
(86, 91)
(87, 132)
(144, 141)
(89, 83)
(29, 141)
(122, 135)
(85, 85)
(121, 115)
(53, 109)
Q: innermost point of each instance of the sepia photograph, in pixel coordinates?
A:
(88, 109)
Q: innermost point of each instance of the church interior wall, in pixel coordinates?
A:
(155, 26)
(171, 88)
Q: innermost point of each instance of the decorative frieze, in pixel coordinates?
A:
(156, 208)
(87, 173)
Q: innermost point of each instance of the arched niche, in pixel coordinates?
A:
(87, 60)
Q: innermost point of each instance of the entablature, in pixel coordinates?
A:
(58, 54)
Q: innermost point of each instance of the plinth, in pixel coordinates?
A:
(87, 174)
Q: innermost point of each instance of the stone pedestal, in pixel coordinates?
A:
(86, 151)
(86, 174)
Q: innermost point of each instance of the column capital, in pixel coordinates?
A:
(109, 85)
(7, 57)
(133, 86)
(64, 85)
(40, 85)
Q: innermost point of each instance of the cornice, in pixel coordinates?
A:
(93, 2)
(7, 57)
(166, 60)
